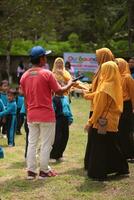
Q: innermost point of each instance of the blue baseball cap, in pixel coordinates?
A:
(38, 51)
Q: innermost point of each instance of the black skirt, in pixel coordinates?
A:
(87, 147)
(61, 138)
(126, 138)
(105, 156)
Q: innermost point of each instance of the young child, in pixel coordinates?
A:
(3, 97)
(10, 113)
(3, 94)
(64, 118)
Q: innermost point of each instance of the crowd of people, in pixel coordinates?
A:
(42, 104)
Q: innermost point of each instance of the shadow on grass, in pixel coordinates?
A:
(74, 172)
(91, 186)
(87, 185)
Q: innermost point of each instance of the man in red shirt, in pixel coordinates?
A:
(37, 85)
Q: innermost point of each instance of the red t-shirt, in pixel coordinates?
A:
(37, 85)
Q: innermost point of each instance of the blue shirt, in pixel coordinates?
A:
(23, 109)
(62, 107)
(4, 99)
(19, 101)
(1, 105)
(11, 109)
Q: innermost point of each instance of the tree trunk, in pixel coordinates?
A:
(130, 25)
(8, 59)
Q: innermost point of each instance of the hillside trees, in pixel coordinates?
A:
(55, 23)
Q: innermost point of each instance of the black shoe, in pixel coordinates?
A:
(18, 133)
(31, 175)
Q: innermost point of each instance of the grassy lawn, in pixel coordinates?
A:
(72, 182)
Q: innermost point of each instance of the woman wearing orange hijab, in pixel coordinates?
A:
(125, 123)
(59, 70)
(60, 73)
(103, 55)
(105, 156)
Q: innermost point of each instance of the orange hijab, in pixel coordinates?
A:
(125, 73)
(103, 55)
(111, 83)
(123, 67)
(66, 76)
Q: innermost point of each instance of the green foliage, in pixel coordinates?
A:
(65, 25)
(21, 47)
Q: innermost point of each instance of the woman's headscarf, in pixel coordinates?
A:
(111, 83)
(123, 66)
(103, 55)
(126, 79)
(66, 76)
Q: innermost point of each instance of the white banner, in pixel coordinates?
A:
(83, 62)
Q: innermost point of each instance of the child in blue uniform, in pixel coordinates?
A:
(64, 118)
(3, 93)
(1, 109)
(10, 113)
(3, 97)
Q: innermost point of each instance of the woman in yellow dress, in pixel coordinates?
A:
(105, 156)
(125, 124)
(102, 55)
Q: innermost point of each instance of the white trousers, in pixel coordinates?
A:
(46, 132)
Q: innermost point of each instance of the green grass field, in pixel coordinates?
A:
(72, 182)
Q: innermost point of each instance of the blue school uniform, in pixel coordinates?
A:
(19, 101)
(10, 113)
(3, 97)
(63, 109)
(1, 105)
(1, 109)
(23, 109)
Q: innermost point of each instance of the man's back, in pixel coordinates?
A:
(37, 85)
